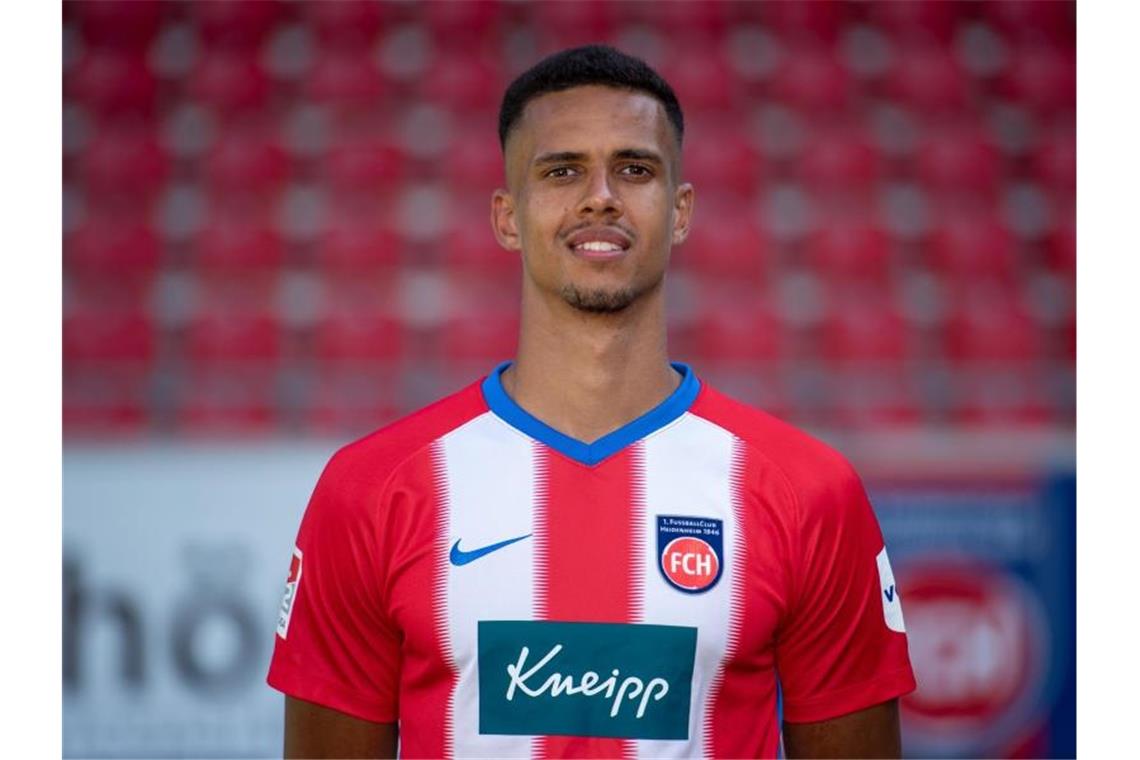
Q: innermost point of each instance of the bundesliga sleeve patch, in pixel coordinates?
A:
(292, 583)
(690, 552)
(892, 606)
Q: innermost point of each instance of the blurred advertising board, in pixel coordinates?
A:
(987, 575)
(174, 562)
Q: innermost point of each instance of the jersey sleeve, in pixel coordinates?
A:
(843, 645)
(334, 645)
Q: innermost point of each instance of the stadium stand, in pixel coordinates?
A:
(886, 190)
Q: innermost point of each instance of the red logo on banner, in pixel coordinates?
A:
(977, 641)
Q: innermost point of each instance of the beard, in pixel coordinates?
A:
(599, 301)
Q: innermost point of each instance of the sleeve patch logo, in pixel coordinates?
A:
(892, 605)
(292, 583)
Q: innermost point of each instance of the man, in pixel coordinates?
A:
(590, 552)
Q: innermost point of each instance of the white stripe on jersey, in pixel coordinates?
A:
(486, 509)
(688, 468)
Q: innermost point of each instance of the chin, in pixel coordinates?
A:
(599, 300)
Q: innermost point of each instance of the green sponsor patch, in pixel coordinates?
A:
(585, 679)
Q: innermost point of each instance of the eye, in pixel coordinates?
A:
(561, 172)
(637, 170)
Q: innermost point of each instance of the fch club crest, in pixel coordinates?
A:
(690, 552)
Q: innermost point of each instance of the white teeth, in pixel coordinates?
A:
(597, 246)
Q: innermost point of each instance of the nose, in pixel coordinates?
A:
(599, 198)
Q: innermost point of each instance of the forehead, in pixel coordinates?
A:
(592, 118)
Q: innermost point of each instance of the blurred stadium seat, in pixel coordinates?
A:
(923, 152)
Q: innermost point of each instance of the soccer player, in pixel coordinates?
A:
(590, 552)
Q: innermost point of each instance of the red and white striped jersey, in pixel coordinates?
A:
(501, 589)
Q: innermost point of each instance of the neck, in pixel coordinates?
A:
(585, 374)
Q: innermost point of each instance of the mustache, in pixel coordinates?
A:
(585, 226)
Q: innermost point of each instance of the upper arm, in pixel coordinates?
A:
(315, 731)
(335, 645)
(871, 732)
(842, 646)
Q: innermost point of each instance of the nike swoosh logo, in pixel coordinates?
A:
(460, 557)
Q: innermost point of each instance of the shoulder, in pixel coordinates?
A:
(370, 460)
(813, 471)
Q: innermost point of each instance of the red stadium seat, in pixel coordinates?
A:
(928, 78)
(737, 248)
(474, 164)
(113, 83)
(989, 398)
(815, 21)
(851, 248)
(234, 335)
(1061, 249)
(471, 246)
(119, 24)
(723, 160)
(708, 20)
(462, 82)
(571, 24)
(235, 241)
(105, 402)
(222, 401)
(245, 161)
(703, 83)
(876, 397)
(126, 163)
(365, 164)
(971, 246)
(346, 78)
(470, 21)
(355, 335)
(1055, 162)
(840, 158)
(931, 19)
(356, 241)
(93, 334)
(741, 332)
(1043, 78)
(1032, 21)
(959, 159)
(235, 24)
(812, 79)
(864, 331)
(231, 83)
(111, 246)
(483, 336)
(346, 24)
(992, 332)
(352, 399)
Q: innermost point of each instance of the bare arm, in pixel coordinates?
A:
(315, 731)
(873, 732)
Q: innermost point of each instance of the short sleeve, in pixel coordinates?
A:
(334, 645)
(843, 646)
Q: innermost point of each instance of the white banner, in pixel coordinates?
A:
(175, 557)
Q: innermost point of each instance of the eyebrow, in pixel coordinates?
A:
(637, 154)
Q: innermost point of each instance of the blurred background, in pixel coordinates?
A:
(276, 238)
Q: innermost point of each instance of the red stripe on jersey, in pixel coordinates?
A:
(429, 678)
(732, 726)
(584, 532)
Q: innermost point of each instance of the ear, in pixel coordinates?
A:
(682, 212)
(503, 220)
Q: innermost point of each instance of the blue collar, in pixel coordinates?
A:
(661, 415)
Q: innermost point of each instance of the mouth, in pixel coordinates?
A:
(599, 244)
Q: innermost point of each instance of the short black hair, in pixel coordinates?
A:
(591, 64)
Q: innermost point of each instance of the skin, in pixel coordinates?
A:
(592, 353)
(582, 371)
